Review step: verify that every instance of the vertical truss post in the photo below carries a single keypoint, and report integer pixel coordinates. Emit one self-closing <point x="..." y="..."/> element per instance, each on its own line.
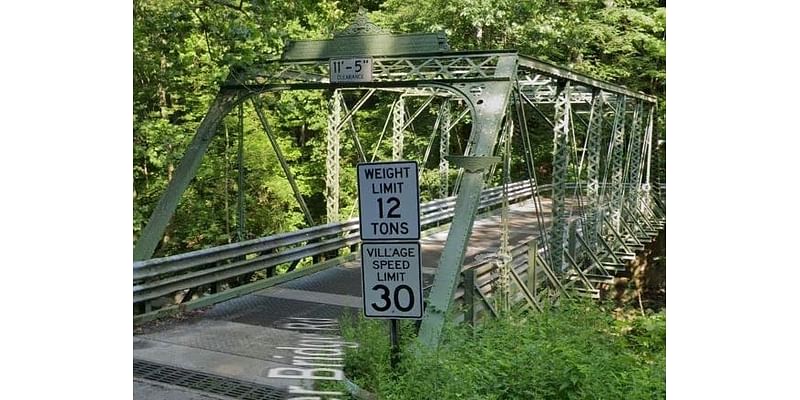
<point x="561" y="151"/>
<point x="154" y="230"/>
<point x="635" y="156"/>
<point x="444" y="149"/>
<point x="240" y="216"/>
<point x="398" y="123"/>
<point x="617" y="157"/>
<point x="504" y="256"/>
<point x="488" y="101"/>
<point x="595" y="133"/>
<point x="649" y="141"/>
<point x="332" y="157"/>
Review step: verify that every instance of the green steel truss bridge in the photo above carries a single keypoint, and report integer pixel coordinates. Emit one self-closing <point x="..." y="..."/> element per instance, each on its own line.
<point x="577" y="232"/>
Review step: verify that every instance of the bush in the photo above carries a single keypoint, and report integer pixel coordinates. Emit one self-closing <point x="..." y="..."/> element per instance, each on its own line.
<point x="576" y="351"/>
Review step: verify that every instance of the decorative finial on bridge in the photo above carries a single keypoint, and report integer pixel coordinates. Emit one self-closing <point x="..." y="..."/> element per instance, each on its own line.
<point x="361" y="26"/>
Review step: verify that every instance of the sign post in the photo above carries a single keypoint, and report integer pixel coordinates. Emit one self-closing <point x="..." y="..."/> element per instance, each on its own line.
<point x="391" y="256"/>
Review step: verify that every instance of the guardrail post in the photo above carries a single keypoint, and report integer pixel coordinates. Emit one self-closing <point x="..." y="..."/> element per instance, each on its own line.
<point x="533" y="252"/>
<point x="468" y="281"/>
<point x="571" y="239"/>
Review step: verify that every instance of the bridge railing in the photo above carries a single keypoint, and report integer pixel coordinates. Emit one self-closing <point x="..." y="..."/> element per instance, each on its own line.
<point x="540" y="281"/>
<point x="212" y="272"/>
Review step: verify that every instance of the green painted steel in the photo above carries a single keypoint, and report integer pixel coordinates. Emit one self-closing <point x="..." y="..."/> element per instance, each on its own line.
<point x="594" y="131"/>
<point x="488" y="101"/>
<point x="444" y="148"/>
<point x="332" y="157"/>
<point x="561" y="152"/>
<point x="241" y="219"/>
<point x="649" y="141"/>
<point x="635" y="156"/>
<point x="504" y="254"/>
<point x="398" y="127"/>
<point x="153" y="232"/>
<point x="617" y="158"/>
<point x="364" y="37"/>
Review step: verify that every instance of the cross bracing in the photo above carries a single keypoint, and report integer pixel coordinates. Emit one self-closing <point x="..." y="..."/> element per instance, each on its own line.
<point x="601" y="137"/>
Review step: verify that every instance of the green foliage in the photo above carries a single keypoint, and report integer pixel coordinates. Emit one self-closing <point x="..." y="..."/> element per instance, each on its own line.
<point x="575" y="351"/>
<point x="183" y="50"/>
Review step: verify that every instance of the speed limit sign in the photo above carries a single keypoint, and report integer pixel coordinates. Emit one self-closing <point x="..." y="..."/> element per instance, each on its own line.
<point x="391" y="275"/>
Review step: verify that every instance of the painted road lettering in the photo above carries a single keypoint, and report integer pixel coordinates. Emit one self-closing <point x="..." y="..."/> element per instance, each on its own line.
<point x="316" y="356"/>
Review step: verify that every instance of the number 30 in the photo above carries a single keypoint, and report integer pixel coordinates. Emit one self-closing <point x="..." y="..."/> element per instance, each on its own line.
<point x="388" y="303"/>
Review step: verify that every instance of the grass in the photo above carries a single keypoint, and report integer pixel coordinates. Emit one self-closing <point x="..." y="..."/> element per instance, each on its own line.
<point x="575" y="351"/>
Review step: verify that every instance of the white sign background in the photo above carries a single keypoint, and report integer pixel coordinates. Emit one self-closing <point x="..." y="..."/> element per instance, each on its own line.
<point x="350" y="70"/>
<point x="388" y="201"/>
<point x="391" y="278"/>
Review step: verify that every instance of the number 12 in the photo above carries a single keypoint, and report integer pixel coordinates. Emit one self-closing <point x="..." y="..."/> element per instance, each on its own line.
<point x="390" y="201"/>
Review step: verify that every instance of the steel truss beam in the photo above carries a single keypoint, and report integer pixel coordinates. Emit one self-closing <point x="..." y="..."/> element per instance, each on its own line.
<point x="444" y="149"/>
<point x="561" y="152"/>
<point x="398" y="127"/>
<point x="617" y="159"/>
<point x="332" y="157"/>
<point x="649" y="140"/>
<point x="153" y="232"/>
<point x="488" y="102"/>
<point x="595" y="141"/>
<point x="635" y="156"/>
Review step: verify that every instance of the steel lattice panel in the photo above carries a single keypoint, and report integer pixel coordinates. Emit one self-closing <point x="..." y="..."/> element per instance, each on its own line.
<point x="216" y="384"/>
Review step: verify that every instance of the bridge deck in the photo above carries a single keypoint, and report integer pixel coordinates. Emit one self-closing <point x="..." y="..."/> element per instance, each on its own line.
<point x="231" y="348"/>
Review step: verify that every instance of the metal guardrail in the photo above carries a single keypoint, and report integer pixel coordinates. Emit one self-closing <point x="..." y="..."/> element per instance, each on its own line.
<point x="160" y="277"/>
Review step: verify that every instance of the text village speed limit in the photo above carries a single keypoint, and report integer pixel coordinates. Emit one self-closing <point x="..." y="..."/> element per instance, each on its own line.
<point x="388" y="201"/>
<point x="392" y="277"/>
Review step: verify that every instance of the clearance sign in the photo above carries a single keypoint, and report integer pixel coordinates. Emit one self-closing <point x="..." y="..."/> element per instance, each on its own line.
<point x="391" y="261"/>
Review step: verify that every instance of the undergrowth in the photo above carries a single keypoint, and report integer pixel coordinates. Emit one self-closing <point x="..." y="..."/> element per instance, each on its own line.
<point x="575" y="351"/>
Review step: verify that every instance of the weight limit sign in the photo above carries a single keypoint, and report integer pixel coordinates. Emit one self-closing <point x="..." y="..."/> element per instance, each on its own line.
<point x="388" y="201"/>
<point x="391" y="274"/>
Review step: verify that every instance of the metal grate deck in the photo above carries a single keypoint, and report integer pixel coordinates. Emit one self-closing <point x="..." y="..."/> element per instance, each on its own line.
<point x="205" y="382"/>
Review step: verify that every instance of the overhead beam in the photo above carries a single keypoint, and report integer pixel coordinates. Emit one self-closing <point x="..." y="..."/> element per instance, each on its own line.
<point x="563" y="73"/>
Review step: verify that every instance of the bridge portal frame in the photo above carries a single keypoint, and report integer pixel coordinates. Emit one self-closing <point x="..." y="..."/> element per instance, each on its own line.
<point x="485" y="80"/>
